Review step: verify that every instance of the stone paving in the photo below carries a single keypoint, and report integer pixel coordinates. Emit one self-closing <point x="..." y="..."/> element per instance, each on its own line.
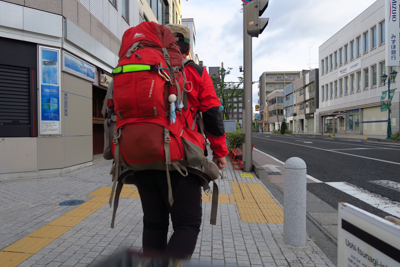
<point x="31" y="204"/>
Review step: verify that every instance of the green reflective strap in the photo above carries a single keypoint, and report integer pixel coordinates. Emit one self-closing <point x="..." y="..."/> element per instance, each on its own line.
<point x="131" y="68"/>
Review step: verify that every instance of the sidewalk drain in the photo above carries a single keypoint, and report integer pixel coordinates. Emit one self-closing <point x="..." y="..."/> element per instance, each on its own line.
<point x="274" y="173"/>
<point x="71" y="202"/>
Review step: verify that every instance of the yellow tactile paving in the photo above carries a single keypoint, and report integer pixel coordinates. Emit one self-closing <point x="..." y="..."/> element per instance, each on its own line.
<point x="67" y="221"/>
<point x="91" y="205"/>
<point x="101" y="192"/>
<point x="49" y="231"/>
<point x="11" y="259"/>
<point x="28" y="245"/>
<point x="80" y="212"/>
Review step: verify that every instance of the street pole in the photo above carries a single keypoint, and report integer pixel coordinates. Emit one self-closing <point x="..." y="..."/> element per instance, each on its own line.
<point x="248" y="72"/>
<point x="389" y="126"/>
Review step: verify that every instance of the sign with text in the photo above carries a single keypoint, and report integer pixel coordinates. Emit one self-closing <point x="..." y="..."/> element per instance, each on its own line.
<point x="350" y="67"/>
<point x="365" y="239"/>
<point x="78" y="67"/>
<point x="392" y="30"/>
<point x="50" y="91"/>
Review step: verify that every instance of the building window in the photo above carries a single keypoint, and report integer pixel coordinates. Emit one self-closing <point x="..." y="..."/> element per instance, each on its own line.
<point x="341" y="56"/>
<point x="366" y="47"/>
<point x="346" y="85"/>
<point x="353" y="83"/>
<point x="331" y="89"/>
<point x="366" y="79"/>
<point x="382" y="34"/>
<point x="331" y="61"/>
<point x="302" y="91"/>
<point x="326" y="65"/>
<point x="373" y="36"/>
<point x="113" y="2"/>
<point x="336" y="59"/>
<point x="322" y="67"/>
<point x="336" y="91"/>
<point x="382" y="70"/>
<point x="359" y="46"/>
<point x="322" y="93"/>
<point x="352" y="50"/>
<point x="326" y="92"/>
<point x="125" y="10"/>
<point x="302" y="106"/>
<point x="346" y="52"/>
<point x="341" y="87"/>
<point x="374" y="75"/>
<point x="359" y="81"/>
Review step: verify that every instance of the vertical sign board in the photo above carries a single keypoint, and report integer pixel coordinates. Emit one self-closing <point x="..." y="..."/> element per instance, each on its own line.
<point x="392" y="32"/>
<point x="366" y="240"/>
<point x="49" y="91"/>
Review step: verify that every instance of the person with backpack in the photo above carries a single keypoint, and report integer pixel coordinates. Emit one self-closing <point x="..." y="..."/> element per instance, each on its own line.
<point x="186" y="211"/>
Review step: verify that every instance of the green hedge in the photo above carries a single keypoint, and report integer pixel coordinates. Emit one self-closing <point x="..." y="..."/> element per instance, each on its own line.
<point x="234" y="140"/>
<point x="396" y="136"/>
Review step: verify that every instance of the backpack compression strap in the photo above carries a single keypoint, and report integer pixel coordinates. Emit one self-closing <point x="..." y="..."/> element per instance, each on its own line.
<point x="134" y="68"/>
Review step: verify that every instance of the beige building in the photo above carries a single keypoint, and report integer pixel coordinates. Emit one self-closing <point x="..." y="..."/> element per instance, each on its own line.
<point x="270" y="81"/>
<point x="275" y="110"/>
<point x="56" y="60"/>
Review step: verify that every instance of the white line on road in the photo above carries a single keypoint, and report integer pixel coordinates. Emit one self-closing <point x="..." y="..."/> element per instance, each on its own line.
<point x="338" y="152"/>
<point x="377" y="201"/>
<point x="388" y="184"/>
<point x="281" y="162"/>
<point x="360" y="148"/>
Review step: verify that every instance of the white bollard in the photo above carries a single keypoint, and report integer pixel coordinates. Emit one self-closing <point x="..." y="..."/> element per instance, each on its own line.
<point x="294" y="207"/>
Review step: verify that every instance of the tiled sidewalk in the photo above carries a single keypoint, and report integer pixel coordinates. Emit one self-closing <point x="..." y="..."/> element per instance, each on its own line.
<point x="248" y="231"/>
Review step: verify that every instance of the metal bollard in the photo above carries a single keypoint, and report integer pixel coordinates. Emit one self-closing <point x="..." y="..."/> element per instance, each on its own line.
<point x="294" y="220"/>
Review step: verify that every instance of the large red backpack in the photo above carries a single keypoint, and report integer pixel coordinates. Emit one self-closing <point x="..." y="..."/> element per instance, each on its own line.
<point x="145" y="115"/>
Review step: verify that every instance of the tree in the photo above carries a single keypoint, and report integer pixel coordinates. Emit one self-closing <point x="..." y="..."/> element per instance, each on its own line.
<point x="227" y="91"/>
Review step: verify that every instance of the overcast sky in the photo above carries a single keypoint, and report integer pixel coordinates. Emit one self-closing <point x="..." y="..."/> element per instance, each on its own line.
<point x="290" y="42"/>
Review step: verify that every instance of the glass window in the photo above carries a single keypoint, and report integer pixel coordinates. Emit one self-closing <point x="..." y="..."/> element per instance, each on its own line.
<point x="358" y="45"/>
<point x="346" y="85"/>
<point x="382" y="28"/>
<point x="336" y="91"/>
<point x="340" y="87"/>
<point x="366" y="47"/>
<point x="353" y="123"/>
<point x="322" y="67"/>
<point x="322" y="91"/>
<point x="326" y="65"/>
<point x="373" y="33"/>
<point x="366" y="78"/>
<point x="341" y="56"/>
<point x="113" y="2"/>
<point x="336" y="59"/>
<point x="382" y="70"/>
<point x="331" y="61"/>
<point x="359" y="81"/>
<point x="125" y="10"/>
<point x="353" y="83"/>
<point x="154" y="7"/>
<point x="352" y="50"/>
<point x="331" y="89"/>
<point x="346" y="51"/>
<point x="374" y="75"/>
<point x="326" y="92"/>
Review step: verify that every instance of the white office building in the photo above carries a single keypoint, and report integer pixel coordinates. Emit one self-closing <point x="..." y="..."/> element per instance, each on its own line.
<point x="351" y="65"/>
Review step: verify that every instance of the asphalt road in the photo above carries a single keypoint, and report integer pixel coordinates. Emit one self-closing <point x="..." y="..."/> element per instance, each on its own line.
<point x="342" y="161"/>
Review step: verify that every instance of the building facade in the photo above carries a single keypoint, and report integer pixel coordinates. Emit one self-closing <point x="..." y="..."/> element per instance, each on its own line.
<point x="270" y="81"/>
<point x="56" y="60"/>
<point x="351" y="65"/>
<point x="275" y="110"/>
<point x="189" y="22"/>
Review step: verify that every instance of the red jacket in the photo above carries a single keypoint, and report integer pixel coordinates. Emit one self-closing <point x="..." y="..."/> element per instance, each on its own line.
<point x="202" y="96"/>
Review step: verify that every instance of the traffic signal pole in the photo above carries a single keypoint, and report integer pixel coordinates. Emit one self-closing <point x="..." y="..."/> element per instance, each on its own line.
<point x="248" y="97"/>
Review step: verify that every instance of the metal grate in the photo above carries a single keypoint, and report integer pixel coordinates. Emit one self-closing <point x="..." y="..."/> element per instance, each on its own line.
<point x="71" y="202"/>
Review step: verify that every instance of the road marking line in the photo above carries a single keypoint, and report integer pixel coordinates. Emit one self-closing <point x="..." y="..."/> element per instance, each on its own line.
<point x="359" y="148"/>
<point x="375" y="200"/>
<point x="338" y="152"/>
<point x="277" y="160"/>
<point x="388" y="184"/>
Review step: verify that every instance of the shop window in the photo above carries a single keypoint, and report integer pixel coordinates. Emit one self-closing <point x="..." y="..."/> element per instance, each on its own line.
<point x="353" y="121"/>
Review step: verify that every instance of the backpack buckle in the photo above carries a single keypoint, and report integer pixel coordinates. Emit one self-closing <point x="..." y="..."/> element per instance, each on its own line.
<point x="164" y="75"/>
<point x="117" y="135"/>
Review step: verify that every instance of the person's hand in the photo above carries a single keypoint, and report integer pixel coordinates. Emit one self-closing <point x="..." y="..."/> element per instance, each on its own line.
<point x="221" y="162"/>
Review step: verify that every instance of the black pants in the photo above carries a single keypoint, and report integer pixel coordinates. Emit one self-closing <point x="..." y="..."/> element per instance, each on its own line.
<point x="185" y="213"/>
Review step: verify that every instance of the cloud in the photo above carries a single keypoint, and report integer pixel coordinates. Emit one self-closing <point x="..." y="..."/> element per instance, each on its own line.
<point x="290" y="42"/>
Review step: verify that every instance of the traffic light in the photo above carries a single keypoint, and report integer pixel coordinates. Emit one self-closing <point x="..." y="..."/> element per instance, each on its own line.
<point x="254" y="9"/>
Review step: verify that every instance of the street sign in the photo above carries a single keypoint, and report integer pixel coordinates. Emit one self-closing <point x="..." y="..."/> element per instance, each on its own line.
<point x="365" y="239"/>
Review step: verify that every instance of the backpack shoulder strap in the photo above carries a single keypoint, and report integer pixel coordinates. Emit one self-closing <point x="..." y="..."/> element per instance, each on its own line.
<point x="198" y="68"/>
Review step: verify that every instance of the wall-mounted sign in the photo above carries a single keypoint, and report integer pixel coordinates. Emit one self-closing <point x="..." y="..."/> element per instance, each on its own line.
<point x="78" y="67"/>
<point x="365" y="239"/>
<point x="257" y="108"/>
<point x="50" y="91"/>
<point x="392" y="30"/>
<point x="309" y="115"/>
<point x="350" y="67"/>
<point x="104" y="79"/>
